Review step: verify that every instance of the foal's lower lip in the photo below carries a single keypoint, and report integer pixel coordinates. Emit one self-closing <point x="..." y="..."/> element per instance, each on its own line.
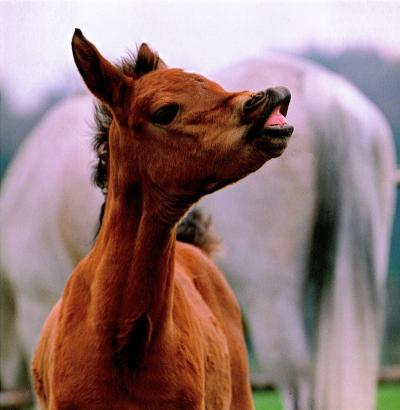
<point x="285" y="130"/>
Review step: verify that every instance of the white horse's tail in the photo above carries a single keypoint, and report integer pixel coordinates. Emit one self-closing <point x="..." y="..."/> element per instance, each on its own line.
<point x="349" y="254"/>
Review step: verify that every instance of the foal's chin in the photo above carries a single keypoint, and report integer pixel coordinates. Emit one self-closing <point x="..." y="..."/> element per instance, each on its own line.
<point x="273" y="141"/>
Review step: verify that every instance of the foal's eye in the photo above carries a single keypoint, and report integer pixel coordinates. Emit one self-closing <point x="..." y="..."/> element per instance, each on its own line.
<point x="165" y="115"/>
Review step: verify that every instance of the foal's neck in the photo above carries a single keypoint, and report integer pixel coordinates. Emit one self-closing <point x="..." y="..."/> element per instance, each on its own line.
<point x="135" y="251"/>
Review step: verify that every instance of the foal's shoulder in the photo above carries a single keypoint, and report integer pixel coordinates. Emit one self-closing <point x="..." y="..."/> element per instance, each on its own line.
<point x="43" y="357"/>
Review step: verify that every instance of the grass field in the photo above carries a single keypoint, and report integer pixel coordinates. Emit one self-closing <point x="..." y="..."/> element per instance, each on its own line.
<point x="388" y="398"/>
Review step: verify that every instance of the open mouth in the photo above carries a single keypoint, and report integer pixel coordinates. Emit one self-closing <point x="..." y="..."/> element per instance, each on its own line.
<point x="270" y="130"/>
<point x="276" y="124"/>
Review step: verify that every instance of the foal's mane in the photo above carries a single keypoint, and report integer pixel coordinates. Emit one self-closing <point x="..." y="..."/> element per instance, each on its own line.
<point x="195" y="228"/>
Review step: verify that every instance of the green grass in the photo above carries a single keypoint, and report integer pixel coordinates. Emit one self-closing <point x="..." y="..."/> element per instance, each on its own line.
<point x="388" y="398"/>
<point x="267" y="400"/>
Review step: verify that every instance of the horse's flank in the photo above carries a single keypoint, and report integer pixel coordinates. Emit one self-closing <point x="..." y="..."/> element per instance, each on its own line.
<point x="326" y="233"/>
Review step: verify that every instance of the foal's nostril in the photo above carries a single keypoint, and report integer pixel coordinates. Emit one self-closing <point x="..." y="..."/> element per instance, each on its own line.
<point x="255" y="100"/>
<point x="281" y="94"/>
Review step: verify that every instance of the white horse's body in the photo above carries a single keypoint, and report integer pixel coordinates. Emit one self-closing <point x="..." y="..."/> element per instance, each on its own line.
<point x="48" y="213"/>
<point x="316" y="221"/>
<point x="319" y="216"/>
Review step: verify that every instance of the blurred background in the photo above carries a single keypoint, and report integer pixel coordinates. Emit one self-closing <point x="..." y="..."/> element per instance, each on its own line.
<point x="358" y="39"/>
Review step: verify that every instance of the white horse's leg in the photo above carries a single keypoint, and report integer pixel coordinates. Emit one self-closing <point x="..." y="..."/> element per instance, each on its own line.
<point x="281" y="349"/>
<point x="10" y="347"/>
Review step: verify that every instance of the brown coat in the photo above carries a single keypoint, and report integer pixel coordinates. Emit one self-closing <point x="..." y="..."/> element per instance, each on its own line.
<point x="145" y="322"/>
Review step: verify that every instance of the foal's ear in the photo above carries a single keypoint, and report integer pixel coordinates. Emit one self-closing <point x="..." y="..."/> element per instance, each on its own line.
<point x="102" y="78"/>
<point x="147" y="60"/>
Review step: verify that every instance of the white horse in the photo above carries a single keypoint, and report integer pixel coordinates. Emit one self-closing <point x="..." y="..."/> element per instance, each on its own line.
<point x="315" y="222"/>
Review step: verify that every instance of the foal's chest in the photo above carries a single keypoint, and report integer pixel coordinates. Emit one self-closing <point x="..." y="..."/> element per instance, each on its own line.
<point x="189" y="367"/>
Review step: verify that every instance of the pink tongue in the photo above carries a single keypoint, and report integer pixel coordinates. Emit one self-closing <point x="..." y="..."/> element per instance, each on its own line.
<point x="276" y="118"/>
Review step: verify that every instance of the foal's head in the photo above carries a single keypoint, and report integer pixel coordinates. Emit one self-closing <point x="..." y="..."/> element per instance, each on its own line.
<point x="178" y="132"/>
